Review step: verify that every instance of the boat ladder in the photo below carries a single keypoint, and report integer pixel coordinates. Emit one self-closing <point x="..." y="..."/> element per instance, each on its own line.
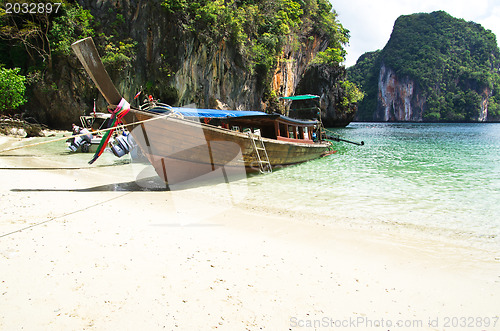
<point x="260" y="153"/>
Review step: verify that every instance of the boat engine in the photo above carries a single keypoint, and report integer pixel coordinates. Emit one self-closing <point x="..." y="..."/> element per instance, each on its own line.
<point x="121" y="146"/>
<point x="82" y="142"/>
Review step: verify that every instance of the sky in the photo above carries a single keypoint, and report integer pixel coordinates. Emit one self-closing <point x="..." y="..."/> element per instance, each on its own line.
<point x="370" y="22"/>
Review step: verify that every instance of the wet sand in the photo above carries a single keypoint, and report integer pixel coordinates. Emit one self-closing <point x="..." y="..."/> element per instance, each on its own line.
<point x="90" y="249"/>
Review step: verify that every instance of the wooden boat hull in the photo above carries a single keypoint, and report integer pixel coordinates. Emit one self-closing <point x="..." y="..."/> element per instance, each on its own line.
<point x="181" y="149"/>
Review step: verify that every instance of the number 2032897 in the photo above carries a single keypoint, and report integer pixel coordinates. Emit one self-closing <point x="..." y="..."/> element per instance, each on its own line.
<point x="32" y="8"/>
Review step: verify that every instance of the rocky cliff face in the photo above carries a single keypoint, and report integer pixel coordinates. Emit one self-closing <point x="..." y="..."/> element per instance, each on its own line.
<point x="170" y="62"/>
<point x="485" y="96"/>
<point x="181" y="69"/>
<point x="293" y="64"/>
<point x="209" y="77"/>
<point x="62" y="95"/>
<point x="398" y="98"/>
<point x="326" y="82"/>
<point x="434" y="68"/>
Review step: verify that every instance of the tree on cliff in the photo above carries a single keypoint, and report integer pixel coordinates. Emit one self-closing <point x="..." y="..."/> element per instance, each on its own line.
<point x="12" y="89"/>
<point x="39" y="44"/>
<point x="259" y="29"/>
<point x="454" y="64"/>
<point x="262" y="33"/>
<point x="257" y="34"/>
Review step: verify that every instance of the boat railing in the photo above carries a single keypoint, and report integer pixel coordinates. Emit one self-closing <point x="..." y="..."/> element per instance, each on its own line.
<point x="149" y="105"/>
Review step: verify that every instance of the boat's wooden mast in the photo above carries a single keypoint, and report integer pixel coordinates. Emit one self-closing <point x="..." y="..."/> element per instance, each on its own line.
<point x="87" y="54"/>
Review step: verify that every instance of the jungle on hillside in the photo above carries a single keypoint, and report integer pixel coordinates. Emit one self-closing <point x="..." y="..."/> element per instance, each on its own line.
<point x="453" y="64"/>
<point x="145" y="47"/>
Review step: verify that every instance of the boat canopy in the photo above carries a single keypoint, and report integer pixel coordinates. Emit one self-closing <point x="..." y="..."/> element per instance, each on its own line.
<point x="301" y="97"/>
<point x="206" y="113"/>
<point x="270" y="118"/>
<point x="231" y="116"/>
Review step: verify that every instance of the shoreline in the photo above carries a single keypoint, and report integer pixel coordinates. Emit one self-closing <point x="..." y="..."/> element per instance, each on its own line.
<point x="95" y="253"/>
<point x="485" y="249"/>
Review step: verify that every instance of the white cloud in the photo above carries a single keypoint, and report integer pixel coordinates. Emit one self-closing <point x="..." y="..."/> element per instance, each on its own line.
<point x="492" y="22"/>
<point x="370" y="21"/>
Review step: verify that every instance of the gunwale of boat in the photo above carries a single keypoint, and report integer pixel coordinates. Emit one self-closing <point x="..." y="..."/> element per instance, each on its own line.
<point x="194" y="123"/>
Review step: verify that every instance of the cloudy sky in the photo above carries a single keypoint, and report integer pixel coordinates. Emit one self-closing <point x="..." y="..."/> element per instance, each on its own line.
<point x="370" y="22"/>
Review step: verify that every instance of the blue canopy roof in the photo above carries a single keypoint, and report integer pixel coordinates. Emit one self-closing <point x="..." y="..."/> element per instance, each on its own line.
<point x="207" y="113"/>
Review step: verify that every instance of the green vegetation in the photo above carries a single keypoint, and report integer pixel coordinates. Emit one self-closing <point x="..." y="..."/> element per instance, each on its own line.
<point x="454" y="63"/>
<point x="12" y="89"/>
<point x="74" y="24"/>
<point x="259" y="29"/>
<point x="119" y="56"/>
<point x="39" y="45"/>
<point x="36" y="38"/>
<point x="331" y="56"/>
<point x="365" y="75"/>
<point x="353" y="94"/>
<point x="259" y="32"/>
<point x="31" y="41"/>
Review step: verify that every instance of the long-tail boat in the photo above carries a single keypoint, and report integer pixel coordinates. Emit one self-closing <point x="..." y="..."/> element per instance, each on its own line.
<point x="183" y="143"/>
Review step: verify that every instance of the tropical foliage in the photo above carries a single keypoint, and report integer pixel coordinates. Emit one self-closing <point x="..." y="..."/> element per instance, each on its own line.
<point x="260" y="28"/>
<point x="332" y="56"/>
<point x="258" y="31"/>
<point x="74" y="24"/>
<point x="353" y="94"/>
<point x="119" y="55"/>
<point x="31" y="41"/>
<point x="12" y="89"/>
<point x="365" y="75"/>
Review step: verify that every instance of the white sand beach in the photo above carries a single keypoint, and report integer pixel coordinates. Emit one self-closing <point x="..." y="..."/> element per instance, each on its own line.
<point x="86" y="249"/>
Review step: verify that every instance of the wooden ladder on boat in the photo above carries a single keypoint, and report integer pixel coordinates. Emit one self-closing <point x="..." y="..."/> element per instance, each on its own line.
<point x="260" y="153"/>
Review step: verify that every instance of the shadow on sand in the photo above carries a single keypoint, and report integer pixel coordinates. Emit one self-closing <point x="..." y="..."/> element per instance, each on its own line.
<point x="152" y="184"/>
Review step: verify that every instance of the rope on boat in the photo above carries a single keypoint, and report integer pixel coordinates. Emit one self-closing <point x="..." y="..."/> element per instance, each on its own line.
<point x="80" y="135"/>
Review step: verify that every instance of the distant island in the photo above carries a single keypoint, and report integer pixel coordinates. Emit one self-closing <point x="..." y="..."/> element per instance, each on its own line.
<point x="434" y="68"/>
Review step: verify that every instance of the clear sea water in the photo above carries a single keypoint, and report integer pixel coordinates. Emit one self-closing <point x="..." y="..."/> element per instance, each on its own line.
<point x="439" y="179"/>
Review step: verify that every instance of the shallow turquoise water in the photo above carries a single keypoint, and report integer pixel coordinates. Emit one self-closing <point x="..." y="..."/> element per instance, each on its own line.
<point x="439" y="178"/>
<point x="434" y="179"/>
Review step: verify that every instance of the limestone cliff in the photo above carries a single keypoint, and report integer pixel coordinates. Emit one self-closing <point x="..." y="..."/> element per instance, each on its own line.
<point x="147" y="47"/>
<point x="61" y="95"/>
<point x="293" y="64"/>
<point x="398" y="98"/>
<point x="179" y="68"/>
<point x="435" y="68"/>
<point x="326" y="82"/>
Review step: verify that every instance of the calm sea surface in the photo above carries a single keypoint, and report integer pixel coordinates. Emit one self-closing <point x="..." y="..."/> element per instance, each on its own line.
<point x="434" y="179"/>
<point x="442" y="179"/>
